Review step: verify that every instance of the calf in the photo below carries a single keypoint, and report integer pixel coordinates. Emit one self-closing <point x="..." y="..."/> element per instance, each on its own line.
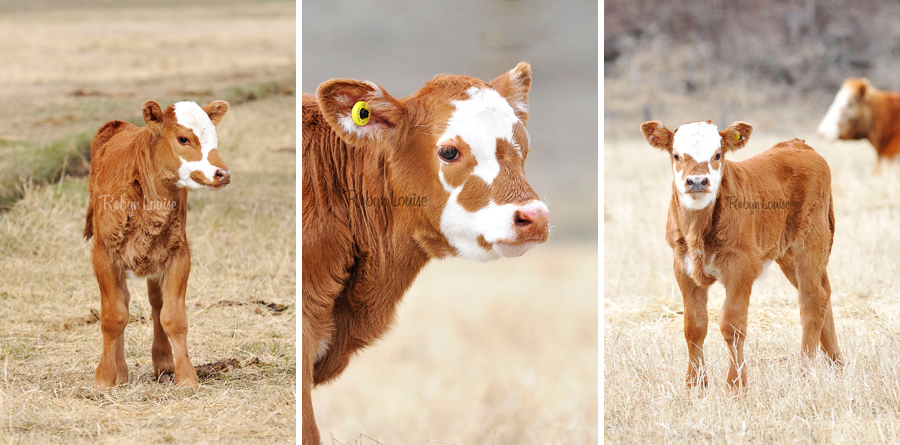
<point x="860" y="111"/>
<point x="389" y="184"/>
<point x="136" y="215"/>
<point x="729" y="220"/>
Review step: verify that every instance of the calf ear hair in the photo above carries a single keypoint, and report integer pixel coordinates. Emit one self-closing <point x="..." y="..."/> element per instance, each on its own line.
<point x="736" y="135"/>
<point x="657" y="135"/>
<point x="514" y="86"/>
<point x="386" y="115"/>
<point x="216" y="111"/>
<point x="153" y="115"/>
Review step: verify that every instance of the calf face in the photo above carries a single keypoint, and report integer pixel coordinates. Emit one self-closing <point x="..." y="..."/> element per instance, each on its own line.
<point x="186" y="142"/>
<point x="849" y="116"/>
<point x="698" y="152"/>
<point x="456" y="151"/>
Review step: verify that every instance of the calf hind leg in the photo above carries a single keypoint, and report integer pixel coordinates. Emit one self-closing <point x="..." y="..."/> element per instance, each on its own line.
<point x="816" y="315"/>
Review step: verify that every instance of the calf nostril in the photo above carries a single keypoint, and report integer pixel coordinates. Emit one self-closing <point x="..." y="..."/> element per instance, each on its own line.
<point x="689" y="182"/>
<point x="220" y="174"/>
<point x="522" y="218"/>
<point x="704" y="181"/>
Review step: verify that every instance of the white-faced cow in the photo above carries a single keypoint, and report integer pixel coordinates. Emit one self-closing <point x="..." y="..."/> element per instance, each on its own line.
<point x="389" y="184"/>
<point x="136" y="215"/>
<point x="860" y="111"/>
<point x="729" y="221"/>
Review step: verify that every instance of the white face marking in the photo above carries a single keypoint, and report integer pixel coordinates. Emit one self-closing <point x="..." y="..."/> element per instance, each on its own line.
<point x="191" y="116"/>
<point x="699" y="140"/>
<point x="480" y="120"/>
<point x="829" y="127"/>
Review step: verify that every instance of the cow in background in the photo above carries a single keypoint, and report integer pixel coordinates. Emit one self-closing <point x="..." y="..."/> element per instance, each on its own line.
<point x="860" y="111"/>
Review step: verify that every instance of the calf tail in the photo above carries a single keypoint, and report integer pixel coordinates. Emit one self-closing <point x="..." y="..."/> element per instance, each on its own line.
<point x="89" y="223"/>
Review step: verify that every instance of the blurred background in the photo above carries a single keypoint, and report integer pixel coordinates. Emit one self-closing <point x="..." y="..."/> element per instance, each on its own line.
<point x="775" y="64"/>
<point x="506" y="352"/>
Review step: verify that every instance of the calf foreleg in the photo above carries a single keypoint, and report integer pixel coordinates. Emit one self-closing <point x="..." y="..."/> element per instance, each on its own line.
<point x="114" y="298"/>
<point x="173" y="318"/>
<point x="696" y="323"/>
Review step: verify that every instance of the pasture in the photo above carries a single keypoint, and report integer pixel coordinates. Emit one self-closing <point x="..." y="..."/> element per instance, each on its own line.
<point x="645" y="396"/>
<point x="89" y="64"/>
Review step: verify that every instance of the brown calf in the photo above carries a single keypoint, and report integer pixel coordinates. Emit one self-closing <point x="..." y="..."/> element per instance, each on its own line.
<point x="729" y="220"/>
<point x="860" y="111"/>
<point x="136" y="216"/>
<point x="389" y="184"/>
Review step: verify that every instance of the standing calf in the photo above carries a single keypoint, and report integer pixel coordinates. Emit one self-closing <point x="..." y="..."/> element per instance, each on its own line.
<point x="729" y="220"/>
<point x="136" y="215"/>
<point x="389" y="184"/>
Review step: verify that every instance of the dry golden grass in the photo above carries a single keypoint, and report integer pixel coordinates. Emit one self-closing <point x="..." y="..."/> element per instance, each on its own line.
<point x="645" y="355"/>
<point x="66" y="72"/>
<point x="502" y="352"/>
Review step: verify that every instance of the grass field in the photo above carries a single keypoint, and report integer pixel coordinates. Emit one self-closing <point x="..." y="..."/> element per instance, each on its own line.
<point x="502" y="352"/>
<point x="645" y="355"/>
<point x="90" y="64"/>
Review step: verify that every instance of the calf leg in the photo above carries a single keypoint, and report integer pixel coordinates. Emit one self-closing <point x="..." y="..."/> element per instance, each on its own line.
<point x="173" y="318"/>
<point x="696" y="323"/>
<point x="163" y="362"/>
<point x="733" y="324"/>
<point x="816" y="316"/>
<point x="310" y="430"/>
<point x="114" y="298"/>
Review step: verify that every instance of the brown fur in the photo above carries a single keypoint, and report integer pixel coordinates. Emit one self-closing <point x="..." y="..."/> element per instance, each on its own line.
<point x="726" y="236"/>
<point x="137" y="218"/>
<point x="358" y="260"/>
<point x="872" y="114"/>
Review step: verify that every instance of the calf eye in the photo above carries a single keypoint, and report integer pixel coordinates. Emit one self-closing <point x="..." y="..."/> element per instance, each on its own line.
<point x="676" y="158"/>
<point x="448" y="153"/>
<point x="183" y="140"/>
<point x="718" y="156"/>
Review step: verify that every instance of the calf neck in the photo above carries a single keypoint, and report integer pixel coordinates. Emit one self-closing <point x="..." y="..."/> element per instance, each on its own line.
<point x="389" y="184"/>
<point x="728" y="221"/>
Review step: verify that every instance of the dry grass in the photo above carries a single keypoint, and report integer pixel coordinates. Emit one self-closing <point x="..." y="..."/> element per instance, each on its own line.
<point x="71" y="70"/>
<point x="502" y="352"/>
<point x="645" y="356"/>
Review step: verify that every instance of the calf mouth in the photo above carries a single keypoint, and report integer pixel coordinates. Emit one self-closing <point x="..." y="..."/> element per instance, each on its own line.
<point x="514" y="249"/>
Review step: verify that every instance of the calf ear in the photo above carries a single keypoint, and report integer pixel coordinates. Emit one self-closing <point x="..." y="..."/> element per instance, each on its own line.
<point x="514" y="85"/>
<point x="216" y="111"/>
<point x="378" y="121"/>
<point x="657" y="135"/>
<point x="153" y="115"/>
<point x="736" y="135"/>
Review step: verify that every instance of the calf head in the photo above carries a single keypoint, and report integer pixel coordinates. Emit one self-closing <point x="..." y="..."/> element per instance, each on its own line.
<point x="455" y="153"/>
<point x="698" y="153"/>
<point x="185" y="143"/>
<point x="849" y="116"/>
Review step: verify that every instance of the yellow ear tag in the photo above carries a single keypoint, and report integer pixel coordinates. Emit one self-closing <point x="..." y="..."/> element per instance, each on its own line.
<point x="737" y="137"/>
<point x="361" y="113"/>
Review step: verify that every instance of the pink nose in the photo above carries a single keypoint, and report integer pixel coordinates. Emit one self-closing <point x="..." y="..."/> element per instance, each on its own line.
<point x="531" y="223"/>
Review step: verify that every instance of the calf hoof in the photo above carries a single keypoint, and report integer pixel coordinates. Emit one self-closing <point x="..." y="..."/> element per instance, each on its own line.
<point x="165" y="377"/>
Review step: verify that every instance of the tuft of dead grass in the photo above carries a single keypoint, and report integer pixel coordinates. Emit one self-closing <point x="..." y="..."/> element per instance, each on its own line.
<point x="645" y="356"/>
